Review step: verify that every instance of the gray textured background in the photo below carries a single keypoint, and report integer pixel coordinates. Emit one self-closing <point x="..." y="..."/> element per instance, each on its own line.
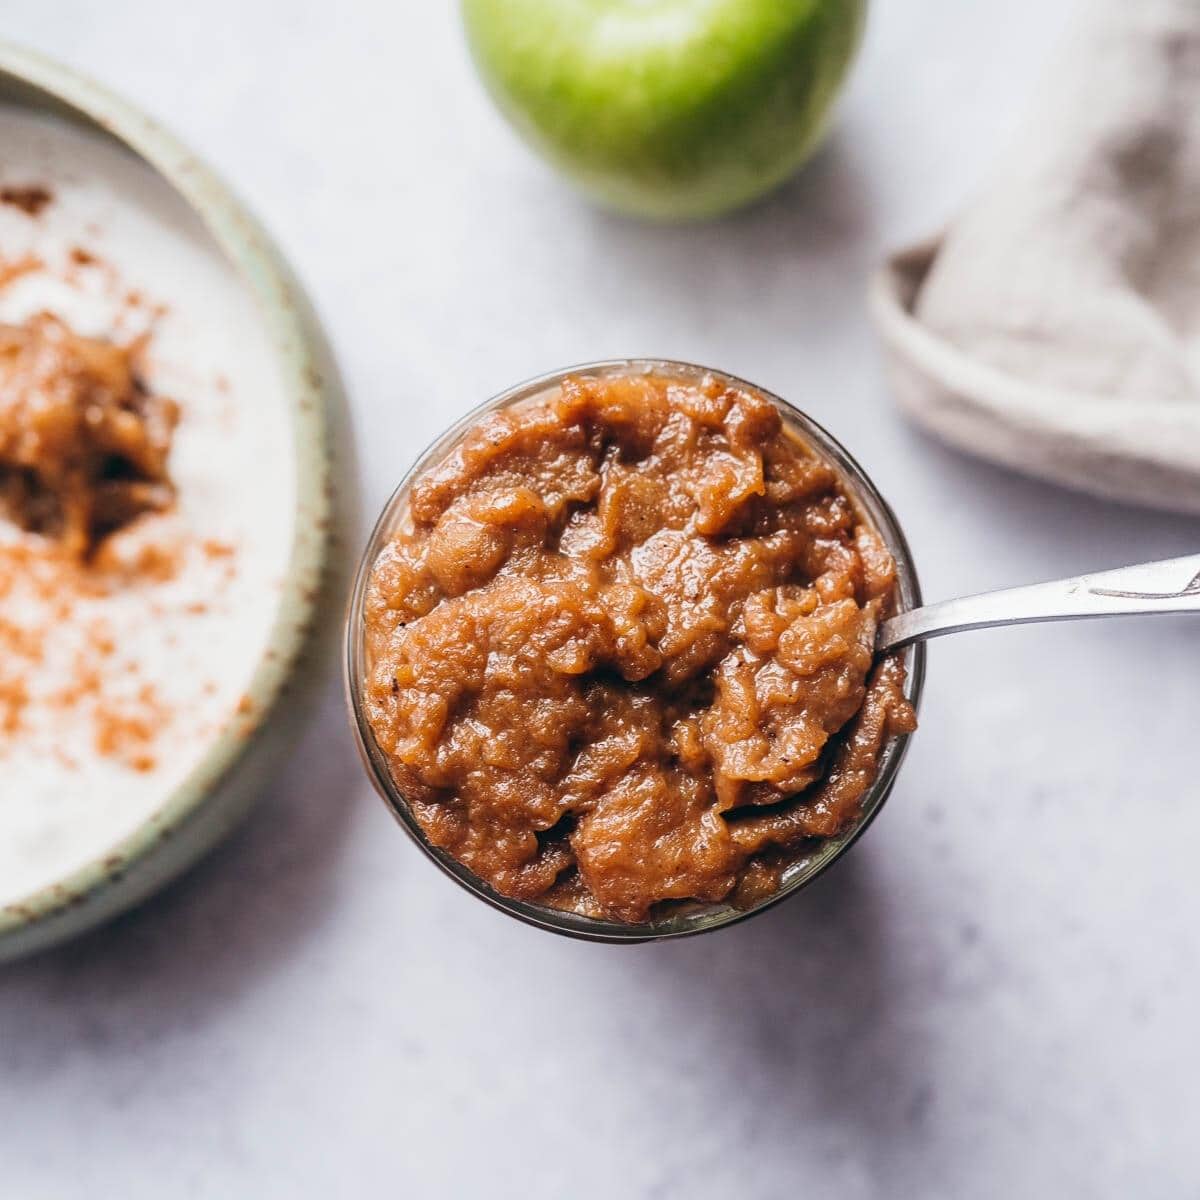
<point x="994" y="996"/>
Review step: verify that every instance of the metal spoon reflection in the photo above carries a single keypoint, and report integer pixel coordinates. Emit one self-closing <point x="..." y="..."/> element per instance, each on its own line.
<point x="1170" y="586"/>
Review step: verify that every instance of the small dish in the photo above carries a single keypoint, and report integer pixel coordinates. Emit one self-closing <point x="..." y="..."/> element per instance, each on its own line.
<point x="683" y="922"/>
<point x="214" y="786"/>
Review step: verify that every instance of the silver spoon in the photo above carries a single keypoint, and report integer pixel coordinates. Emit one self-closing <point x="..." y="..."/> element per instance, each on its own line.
<point x="1170" y="586"/>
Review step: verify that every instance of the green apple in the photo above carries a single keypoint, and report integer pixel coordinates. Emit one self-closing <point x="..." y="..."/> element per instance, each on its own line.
<point x="669" y="109"/>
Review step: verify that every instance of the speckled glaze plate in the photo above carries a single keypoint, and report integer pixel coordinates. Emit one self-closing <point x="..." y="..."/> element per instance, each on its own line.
<point x="235" y="765"/>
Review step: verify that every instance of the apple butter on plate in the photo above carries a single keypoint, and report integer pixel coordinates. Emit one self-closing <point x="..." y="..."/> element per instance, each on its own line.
<point x="618" y="647"/>
<point x="83" y="442"/>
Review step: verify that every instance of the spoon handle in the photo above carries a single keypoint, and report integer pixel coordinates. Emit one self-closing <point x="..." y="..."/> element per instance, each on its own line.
<point x="1171" y="586"/>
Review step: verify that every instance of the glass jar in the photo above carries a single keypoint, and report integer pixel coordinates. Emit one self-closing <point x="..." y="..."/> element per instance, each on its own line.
<point x="811" y="860"/>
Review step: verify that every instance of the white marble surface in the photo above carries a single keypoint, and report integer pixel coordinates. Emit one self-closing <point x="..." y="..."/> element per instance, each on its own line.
<point x="993" y="996"/>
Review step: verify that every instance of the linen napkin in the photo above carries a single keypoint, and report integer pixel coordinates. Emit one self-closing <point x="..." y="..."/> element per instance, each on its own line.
<point x="1055" y="327"/>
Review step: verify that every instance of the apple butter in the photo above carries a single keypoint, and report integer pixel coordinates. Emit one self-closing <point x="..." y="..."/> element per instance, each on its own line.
<point x="621" y="649"/>
<point x="83" y="444"/>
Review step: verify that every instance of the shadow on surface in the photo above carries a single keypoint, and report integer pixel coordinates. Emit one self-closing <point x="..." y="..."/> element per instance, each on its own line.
<point x="824" y="211"/>
<point x="191" y="947"/>
<point x="755" y="280"/>
<point x="1063" y="531"/>
<point x="800" y="1012"/>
